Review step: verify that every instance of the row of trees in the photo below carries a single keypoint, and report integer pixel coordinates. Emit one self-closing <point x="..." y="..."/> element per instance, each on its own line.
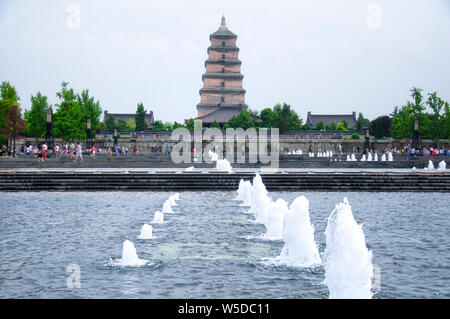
<point x="432" y="125"/>
<point x="74" y="109"/>
<point x="140" y="124"/>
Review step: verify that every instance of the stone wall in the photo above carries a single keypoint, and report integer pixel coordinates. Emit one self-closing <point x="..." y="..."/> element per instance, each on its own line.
<point x="148" y="143"/>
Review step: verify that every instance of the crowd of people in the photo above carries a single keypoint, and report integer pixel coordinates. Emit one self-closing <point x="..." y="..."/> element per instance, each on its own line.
<point x="74" y="150"/>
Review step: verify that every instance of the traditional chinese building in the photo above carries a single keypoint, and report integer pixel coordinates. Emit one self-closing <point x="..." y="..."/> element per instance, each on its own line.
<point x="222" y="95"/>
<point x="327" y="119"/>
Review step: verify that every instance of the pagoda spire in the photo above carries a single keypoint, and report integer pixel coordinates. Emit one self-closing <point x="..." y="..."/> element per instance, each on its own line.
<point x="223" y="23"/>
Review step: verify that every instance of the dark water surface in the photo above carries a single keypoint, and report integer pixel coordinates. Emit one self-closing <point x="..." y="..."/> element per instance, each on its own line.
<point x="207" y="249"/>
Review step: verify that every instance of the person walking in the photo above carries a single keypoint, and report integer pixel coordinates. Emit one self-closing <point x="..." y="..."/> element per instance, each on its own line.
<point x="79" y="152"/>
<point x="44" y="151"/>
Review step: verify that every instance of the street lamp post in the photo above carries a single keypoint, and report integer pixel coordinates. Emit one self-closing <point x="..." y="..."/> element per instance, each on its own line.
<point x="416" y="134"/>
<point x="89" y="134"/>
<point x="115" y="138"/>
<point x="49" y="129"/>
<point x="367" y="140"/>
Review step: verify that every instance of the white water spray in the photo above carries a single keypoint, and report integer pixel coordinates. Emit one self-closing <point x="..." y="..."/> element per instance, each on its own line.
<point x="129" y="256"/>
<point x="430" y="165"/>
<point x="275" y="220"/>
<point x="442" y="165"/>
<point x="221" y="164"/>
<point x="390" y="157"/>
<point x="348" y="262"/>
<point x="146" y="232"/>
<point x="383" y="158"/>
<point x="158" y="218"/>
<point x="167" y="208"/>
<point x="173" y="198"/>
<point x="245" y="192"/>
<point x="260" y="202"/>
<point x="299" y="249"/>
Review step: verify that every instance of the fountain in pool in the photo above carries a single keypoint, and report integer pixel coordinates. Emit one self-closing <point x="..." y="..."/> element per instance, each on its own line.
<point x="167" y="208"/>
<point x="221" y="164"/>
<point x="430" y="165"/>
<point x="383" y="158"/>
<point x="173" y="198"/>
<point x="275" y="219"/>
<point x="442" y="165"/>
<point x="146" y="232"/>
<point x="129" y="256"/>
<point x="158" y="218"/>
<point x="375" y="158"/>
<point x="260" y="202"/>
<point x="299" y="249"/>
<point x="353" y="158"/>
<point x="390" y="157"/>
<point x="348" y="262"/>
<point x="363" y="158"/>
<point x="369" y="157"/>
<point x="348" y="158"/>
<point x="245" y="192"/>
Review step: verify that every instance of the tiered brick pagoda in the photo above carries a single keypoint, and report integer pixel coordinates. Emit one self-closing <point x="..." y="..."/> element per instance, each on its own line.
<point x="222" y="95"/>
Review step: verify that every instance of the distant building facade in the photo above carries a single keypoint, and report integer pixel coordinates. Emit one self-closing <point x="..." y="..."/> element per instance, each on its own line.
<point x="327" y="119"/>
<point x="222" y="95"/>
<point x="130" y="116"/>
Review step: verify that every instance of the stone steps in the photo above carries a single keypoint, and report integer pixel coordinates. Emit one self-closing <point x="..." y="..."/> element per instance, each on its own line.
<point x="353" y="181"/>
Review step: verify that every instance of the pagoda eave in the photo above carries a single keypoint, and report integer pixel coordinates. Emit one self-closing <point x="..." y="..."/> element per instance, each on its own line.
<point x="221" y="90"/>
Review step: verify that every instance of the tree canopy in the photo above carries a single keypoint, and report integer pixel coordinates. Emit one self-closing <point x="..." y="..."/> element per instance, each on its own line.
<point x="141" y="123"/>
<point x="36" y="117"/>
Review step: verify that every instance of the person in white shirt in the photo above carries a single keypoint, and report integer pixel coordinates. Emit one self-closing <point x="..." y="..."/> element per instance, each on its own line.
<point x="79" y="152"/>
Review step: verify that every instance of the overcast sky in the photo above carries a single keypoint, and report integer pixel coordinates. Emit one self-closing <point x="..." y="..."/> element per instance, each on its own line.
<point x="320" y="56"/>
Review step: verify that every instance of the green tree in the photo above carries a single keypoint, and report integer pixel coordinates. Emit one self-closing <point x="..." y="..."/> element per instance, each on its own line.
<point x="446" y="121"/>
<point x="122" y="125"/>
<point x="417" y="106"/>
<point x="320" y="125"/>
<point x="90" y="110"/>
<point x="215" y="124"/>
<point x="241" y="120"/>
<point x="305" y="127"/>
<point x="285" y="118"/>
<point x="331" y="127"/>
<point x="437" y="119"/>
<point x="345" y="124"/>
<point x="141" y="123"/>
<point x="69" y="121"/>
<point x="110" y="123"/>
<point x="266" y="117"/>
<point x="131" y="125"/>
<point x="177" y="125"/>
<point x="158" y="126"/>
<point x="402" y="122"/>
<point x="341" y="126"/>
<point x="8" y="92"/>
<point x="168" y="126"/>
<point x="8" y="100"/>
<point x="190" y="124"/>
<point x="379" y="129"/>
<point x="36" y="117"/>
<point x="361" y="122"/>
<point x="15" y="125"/>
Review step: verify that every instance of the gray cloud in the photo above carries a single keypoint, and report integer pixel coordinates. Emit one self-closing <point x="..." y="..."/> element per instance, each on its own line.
<point x="318" y="56"/>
